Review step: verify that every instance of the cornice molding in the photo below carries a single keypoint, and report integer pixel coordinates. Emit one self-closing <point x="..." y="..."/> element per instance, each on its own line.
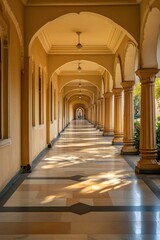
<point x="85" y="50"/>
<point x="79" y="3"/>
<point x="83" y="73"/>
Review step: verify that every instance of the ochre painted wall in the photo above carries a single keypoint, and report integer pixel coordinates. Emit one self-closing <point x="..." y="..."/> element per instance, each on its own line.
<point x="10" y="155"/>
<point x="39" y="58"/>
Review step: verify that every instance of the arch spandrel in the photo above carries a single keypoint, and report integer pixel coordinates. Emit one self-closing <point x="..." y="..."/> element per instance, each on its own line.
<point x="130" y="62"/>
<point x="150" y="38"/>
<point x="118" y="75"/>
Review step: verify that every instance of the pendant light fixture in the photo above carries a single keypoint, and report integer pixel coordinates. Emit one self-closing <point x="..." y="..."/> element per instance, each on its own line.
<point x="79" y="68"/>
<point x="79" y="45"/>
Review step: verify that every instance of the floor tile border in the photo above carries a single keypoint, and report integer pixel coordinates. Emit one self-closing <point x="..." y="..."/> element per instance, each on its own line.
<point x="81" y="211"/>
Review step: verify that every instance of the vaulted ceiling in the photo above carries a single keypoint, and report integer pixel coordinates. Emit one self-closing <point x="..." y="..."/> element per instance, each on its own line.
<point x="99" y="35"/>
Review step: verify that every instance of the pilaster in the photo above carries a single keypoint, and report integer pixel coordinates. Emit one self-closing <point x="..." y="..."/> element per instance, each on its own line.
<point x="26" y="116"/>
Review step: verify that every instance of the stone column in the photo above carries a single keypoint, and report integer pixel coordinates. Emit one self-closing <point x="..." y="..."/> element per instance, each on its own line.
<point x="108" y="121"/>
<point x="102" y="114"/>
<point x="89" y="114"/>
<point x="98" y="113"/>
<point x="49" y="118"/>
<point x="128" y="140"/>
<point x="95" y="115"/>
<point x="26" y="116"/>
<point x="148" y="151"/>
<point x="118" y="116"/>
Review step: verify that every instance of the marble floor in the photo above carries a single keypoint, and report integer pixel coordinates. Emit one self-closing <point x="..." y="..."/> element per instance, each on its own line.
<point x="82" y="189"/>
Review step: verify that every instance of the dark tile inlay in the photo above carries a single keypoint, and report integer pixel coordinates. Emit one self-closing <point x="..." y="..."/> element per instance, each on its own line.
<point x="77" y="178"/>
<point x="80" y="208"/>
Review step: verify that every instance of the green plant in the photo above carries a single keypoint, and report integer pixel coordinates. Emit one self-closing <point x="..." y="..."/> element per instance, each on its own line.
<point x="158" y="139"/>
<point x="137" y="134"/>
<point x="158" y="118"/>
<point x="137" y="137"/>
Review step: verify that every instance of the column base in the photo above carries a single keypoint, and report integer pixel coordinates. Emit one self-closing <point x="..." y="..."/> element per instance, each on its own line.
<point x="117" y="141"/>
<point x="108" y="133"/>
<point x="129" y="150"/>
<point x="151" y="167"/>
<point x="98" y="126"/>
<point x="50" y="145"/>
<point x="26" y="169"/>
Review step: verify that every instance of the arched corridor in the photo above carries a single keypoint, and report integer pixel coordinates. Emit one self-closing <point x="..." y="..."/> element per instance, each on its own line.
<point x="75" y="193"/>
<point x="80" y="118"/>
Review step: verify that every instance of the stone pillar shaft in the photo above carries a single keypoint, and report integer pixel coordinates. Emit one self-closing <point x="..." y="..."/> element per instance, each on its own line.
<point x="148" y="152"/>
<point x="94" y="113"/>
<point x="128" y="139"/>
<point x="102" y="112"/>
<point x="98" y="113"/>
<point x="26" y="115"/>
<point x="108" y="121"/>
<point x="118" y="116"/>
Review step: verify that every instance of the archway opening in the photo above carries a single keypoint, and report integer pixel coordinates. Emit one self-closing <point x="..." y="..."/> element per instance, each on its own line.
<point x="79" y="113"/>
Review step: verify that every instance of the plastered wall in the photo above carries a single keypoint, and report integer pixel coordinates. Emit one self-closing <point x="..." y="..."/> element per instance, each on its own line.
<point x="10" y="155"/>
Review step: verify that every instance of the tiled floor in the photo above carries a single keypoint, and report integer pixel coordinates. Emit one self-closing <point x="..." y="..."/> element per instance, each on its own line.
<point x="83" y="189"/>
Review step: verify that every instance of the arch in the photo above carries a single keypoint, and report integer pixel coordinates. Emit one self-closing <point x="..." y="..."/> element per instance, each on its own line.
<point x="104" y="62"/>
<point x="83" y="97"/>
<point x="70" y="79"/>
<point x="116" y="19"/>
<point x="16" y="24"/>
<point x="117" y="73"/>
<point x="79" y="106"/>
<point x="3" y="26"/>
<point x="77" y="91"/>
<point x="80" y="113"/>
<point x="130" y="62"/>
<point x="150" y="33"/>
<point x="93" y="78"/>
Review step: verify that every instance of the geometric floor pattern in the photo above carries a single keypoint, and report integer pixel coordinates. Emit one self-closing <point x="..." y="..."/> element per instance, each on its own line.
<point x="82" y="189"/>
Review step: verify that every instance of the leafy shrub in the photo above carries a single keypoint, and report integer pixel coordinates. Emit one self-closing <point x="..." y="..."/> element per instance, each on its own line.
<point x="137" y="137"/>
<point x="158" y="139"/>
<point x="158" y="118"/>
<point x="137" y="134"/>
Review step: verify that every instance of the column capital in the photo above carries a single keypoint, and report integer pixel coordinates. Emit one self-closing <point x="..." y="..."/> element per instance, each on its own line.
<point x="108" y="94"/>
<point x="147" y="75"/>
<point x="117" y="91"/>
<point x="127" y="85"/>
<point x="100" y="99"/>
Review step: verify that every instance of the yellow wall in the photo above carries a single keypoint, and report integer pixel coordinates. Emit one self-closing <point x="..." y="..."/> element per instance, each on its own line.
<point x="10" y="156"/>
<point x="54" y="125"/>
<point x="39" y="57"/>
